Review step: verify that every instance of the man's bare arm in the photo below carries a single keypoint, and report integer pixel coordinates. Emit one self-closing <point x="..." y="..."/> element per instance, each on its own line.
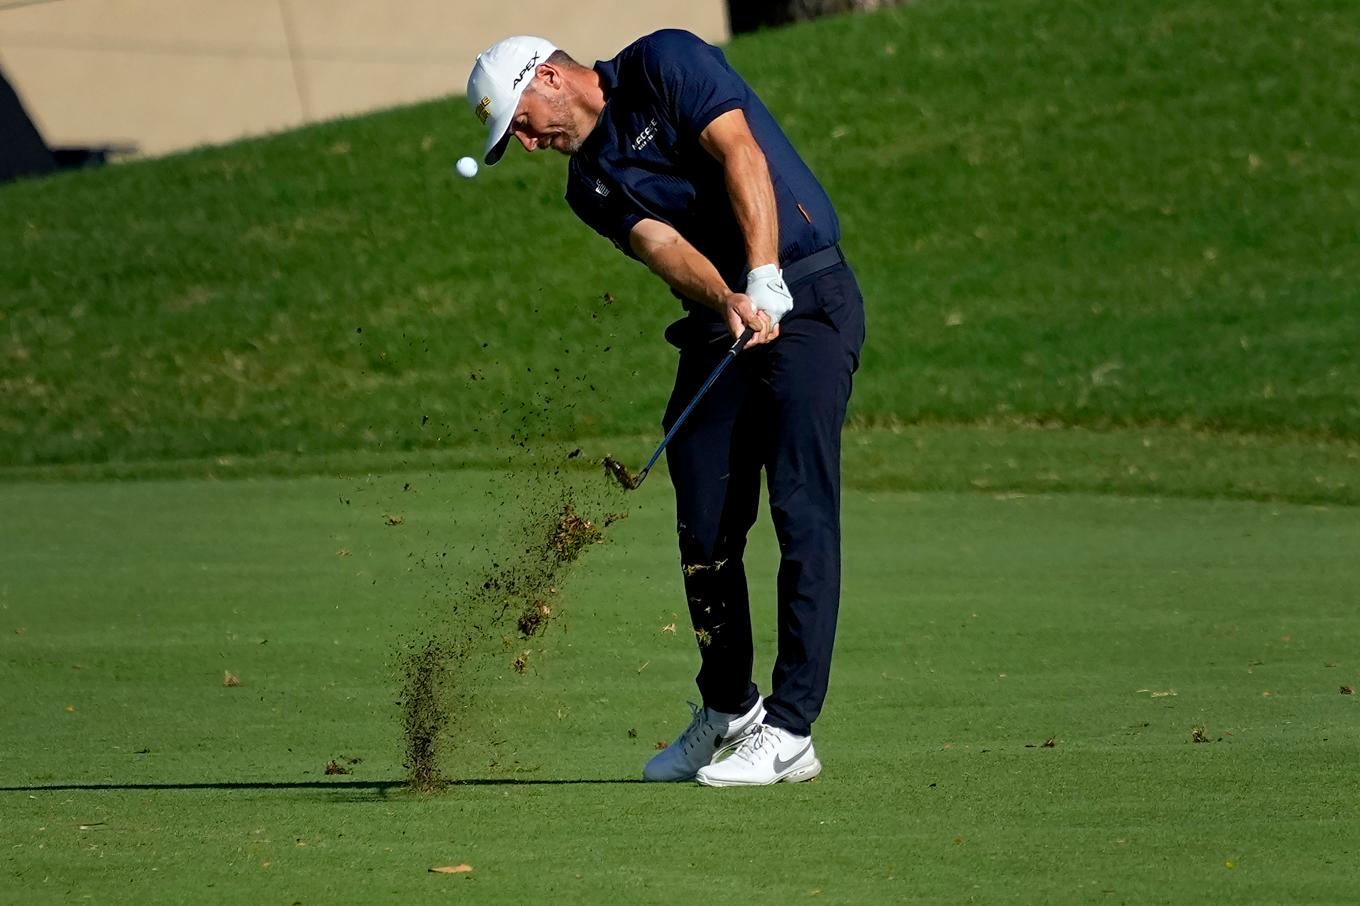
<point x="728" y="138"/>
<point x="672" y="258"/>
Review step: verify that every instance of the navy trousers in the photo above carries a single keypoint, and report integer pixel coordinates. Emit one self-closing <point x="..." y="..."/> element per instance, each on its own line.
<point x="778" y="408"/>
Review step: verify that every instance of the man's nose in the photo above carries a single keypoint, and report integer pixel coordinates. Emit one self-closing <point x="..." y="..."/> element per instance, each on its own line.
<point x="528" y="143"/>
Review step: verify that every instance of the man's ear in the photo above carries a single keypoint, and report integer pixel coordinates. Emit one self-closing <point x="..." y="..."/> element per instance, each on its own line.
<point x="550" y="74"/>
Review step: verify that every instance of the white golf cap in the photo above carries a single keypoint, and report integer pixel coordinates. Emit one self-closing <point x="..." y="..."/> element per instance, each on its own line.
<point x="499" y="77"/>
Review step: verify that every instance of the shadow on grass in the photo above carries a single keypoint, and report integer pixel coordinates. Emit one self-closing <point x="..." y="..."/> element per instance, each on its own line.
<point x="381" y="786"/>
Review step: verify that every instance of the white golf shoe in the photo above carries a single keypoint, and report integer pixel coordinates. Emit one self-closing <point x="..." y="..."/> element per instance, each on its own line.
<point x="707" y="733"/>
<point x="768" y="755"/>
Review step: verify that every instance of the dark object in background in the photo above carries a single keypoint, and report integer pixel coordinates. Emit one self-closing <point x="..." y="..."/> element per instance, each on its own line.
<point x="22" y="150"/>
<point x="749" y="15"/>
<point x="98" y="156"/>
<point x="23" y="153"/>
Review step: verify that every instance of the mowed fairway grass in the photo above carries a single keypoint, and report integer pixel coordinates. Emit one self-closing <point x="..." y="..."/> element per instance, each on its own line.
<point x="1019" y="683"/>
<point x="267" y="409"/>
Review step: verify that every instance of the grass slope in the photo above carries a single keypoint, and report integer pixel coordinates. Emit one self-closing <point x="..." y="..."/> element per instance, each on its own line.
<point x="1086" y="214"/>
<point x="974" y="630"/>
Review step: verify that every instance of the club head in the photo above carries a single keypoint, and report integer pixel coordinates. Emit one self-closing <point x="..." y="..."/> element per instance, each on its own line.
<point x="619" y="472"/>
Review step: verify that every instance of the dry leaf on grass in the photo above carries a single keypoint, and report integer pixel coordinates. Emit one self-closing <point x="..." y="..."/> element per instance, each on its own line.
<point x="230" y="679"/>
<point x="452" y="869"/>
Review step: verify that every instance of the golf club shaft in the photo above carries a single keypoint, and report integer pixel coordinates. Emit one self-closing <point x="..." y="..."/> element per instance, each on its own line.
<point x="727" y="358"/>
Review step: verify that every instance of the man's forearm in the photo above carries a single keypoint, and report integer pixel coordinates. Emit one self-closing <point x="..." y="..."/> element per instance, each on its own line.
<point x="691" y="274"/>
<point x="746" y="175"/>
<point x="687" y="272"/>
<point x="753" y="203"/>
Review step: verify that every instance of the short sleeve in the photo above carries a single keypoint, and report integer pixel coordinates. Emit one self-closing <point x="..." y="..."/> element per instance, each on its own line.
<point x="602" y="213"/>
<point x="692" y="79"/>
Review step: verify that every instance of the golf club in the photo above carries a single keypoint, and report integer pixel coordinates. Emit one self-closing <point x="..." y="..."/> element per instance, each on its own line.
<point x="620" y="471"/>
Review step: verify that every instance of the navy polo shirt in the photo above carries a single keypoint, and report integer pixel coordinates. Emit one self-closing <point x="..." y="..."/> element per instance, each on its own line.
<point x="643" y="159"/>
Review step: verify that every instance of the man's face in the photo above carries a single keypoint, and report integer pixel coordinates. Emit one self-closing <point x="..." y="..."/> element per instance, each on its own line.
<point x="543" y="119"/>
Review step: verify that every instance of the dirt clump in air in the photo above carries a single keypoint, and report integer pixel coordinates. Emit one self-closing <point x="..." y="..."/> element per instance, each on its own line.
<point x="468" y="643"/>
<point x="573" y="534"/>
<point x="424" y="716"/>
<point x="534" y="619"/>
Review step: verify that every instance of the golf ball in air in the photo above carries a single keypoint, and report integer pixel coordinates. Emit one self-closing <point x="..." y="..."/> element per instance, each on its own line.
<point x="467" y="167"/>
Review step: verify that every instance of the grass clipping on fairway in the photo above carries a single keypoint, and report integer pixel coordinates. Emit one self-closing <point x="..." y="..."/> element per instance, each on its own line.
<point x="514" y="599"/>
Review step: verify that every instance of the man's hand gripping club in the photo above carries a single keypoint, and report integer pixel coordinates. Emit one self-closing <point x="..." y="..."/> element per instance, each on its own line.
<point x="761" y="307"/>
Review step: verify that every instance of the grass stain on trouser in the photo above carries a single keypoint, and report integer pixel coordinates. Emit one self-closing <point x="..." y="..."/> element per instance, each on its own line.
<point x="690" y="569"/>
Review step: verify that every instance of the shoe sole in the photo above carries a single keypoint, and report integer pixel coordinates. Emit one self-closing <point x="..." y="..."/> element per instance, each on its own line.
<point x="798" y="775"/>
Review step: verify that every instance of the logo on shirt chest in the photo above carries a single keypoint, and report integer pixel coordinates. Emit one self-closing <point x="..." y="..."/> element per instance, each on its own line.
<point x="601" y="189"/>
<point x="646" y="136"/>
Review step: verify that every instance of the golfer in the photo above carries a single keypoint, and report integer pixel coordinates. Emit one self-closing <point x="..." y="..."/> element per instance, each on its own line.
<point x="677" y="162"/>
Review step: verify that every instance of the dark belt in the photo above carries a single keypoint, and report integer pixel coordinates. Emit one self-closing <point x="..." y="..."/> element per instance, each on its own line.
<point x="797" y="271"/>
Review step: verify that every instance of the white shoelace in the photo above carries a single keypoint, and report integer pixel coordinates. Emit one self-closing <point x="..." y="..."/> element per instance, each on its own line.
<point x="763" y="737"/>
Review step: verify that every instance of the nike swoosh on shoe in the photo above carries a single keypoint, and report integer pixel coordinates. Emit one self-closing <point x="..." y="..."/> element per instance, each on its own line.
<point x="780" y="766"/>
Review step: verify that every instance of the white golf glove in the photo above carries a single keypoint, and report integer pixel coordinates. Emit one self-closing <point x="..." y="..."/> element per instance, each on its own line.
<point x="765" y="286"/>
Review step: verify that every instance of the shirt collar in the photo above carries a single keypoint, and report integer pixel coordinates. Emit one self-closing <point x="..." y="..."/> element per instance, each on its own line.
<point x="609" y="75"/>
<point x="609" y="78"/>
